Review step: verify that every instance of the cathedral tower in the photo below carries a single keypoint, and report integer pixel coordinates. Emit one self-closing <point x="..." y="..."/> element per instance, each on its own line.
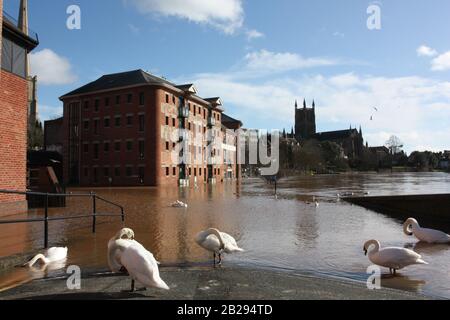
<point x="305" y="121"/>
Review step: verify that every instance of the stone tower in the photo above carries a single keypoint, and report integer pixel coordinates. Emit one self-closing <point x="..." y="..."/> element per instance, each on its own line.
<point x="305" y="121"/>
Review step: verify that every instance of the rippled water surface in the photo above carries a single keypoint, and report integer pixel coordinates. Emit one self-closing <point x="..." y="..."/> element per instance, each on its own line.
<point x="286" y="233"/>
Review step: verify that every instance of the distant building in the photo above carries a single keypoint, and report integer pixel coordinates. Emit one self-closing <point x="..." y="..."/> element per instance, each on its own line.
<point x="53" y="135"/>
<point x="351" y="140"/>
<point x="16" y="42"/>
<point x="132" y="128"/>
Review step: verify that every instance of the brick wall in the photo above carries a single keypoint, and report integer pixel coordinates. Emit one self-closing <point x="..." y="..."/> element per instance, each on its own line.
<point x="13" y="140"/>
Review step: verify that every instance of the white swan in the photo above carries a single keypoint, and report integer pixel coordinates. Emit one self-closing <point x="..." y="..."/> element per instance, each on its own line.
<point x="141" y="265"/>
<point x="393" y="258"/>
<point x="54" y="254"/>
<point x="412" y="227"/>
<point x="217" y="242"/>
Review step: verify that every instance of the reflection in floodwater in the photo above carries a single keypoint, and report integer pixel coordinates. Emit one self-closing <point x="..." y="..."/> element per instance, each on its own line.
<point x="289" y="233"/>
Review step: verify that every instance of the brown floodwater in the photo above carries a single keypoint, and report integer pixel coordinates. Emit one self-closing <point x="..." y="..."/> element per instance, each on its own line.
<point x="285" y="233"/>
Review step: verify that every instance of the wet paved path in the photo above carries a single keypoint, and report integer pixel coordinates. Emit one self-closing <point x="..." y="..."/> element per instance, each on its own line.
<point x="207" y="283"/>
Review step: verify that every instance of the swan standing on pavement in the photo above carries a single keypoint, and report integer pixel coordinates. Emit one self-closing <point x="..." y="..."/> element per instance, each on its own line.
<point x="126" y="253"/>
<point x="54" y="254"/>
<point x="217" y="242"/>
<point x="412" y="227"/>
<point x="393" y="258"/>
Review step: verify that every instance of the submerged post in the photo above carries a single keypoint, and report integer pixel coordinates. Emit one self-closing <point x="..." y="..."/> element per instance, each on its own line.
<point x="122" y="214"/>
<point x="46" y="222"/>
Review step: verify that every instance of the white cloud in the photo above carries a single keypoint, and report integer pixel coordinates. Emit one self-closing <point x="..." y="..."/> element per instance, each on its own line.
<point x="51" y="68"/>
<point x="226" y="15"/>
<point x="134" y="30"/>
<point x="416" y="109"/>
<point x="425" y="51"/>
<point x="266" y="61"/>
<point x="254" y="34"/>
<point x="441" y="62"/>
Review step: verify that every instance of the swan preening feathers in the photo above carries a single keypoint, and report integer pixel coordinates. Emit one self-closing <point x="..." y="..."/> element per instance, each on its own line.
<point x="394" y="258"/>
<point x="412" y="227"/>
<point x="217" y="242"/>
<point x="125" y="253"/>
<point x="55" y="254"/>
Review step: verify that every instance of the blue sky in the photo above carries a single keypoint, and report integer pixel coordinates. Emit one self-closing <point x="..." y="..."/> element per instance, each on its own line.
<point x="261" y="55"/>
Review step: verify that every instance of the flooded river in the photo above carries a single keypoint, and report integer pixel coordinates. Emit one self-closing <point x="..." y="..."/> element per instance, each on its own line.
<point x="285" y="233"/>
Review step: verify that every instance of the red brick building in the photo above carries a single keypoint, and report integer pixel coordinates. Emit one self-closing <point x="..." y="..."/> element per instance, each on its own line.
<point x="16" y="45"/>
<point x="133" y="128"/>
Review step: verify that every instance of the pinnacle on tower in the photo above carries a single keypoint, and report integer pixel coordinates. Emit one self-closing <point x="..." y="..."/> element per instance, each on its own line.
<point x="296" y="105"/>
<point x="304" y="103"/>
<point x="314" y="104"/>
<point x="23" y="16"/>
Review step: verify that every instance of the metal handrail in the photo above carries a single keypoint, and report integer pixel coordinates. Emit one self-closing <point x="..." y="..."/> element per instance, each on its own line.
<point x="46" y="218"/>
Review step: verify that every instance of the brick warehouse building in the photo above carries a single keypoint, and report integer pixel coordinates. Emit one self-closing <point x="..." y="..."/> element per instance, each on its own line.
<point x="133" y="128"/>
<point x="16" y="43"/>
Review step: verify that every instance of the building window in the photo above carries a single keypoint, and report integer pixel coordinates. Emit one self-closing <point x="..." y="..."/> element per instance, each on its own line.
<point x="86" y="148"/>
<point x="167" y="121"/>
<point x="96" y="151"/>
<point x="86" y="172"/>
<point x="106" y="171"/>
<point x="107" y="102"/>
<point x="167" y="98"/>
<point x="86" y="105"/>
<point x="200" y="172"/>
<point x="195" y="111"/>
<point x="174" y="171"/>
<point x="189" y="126"/>
<point x="106" y="146"/>
<point x="117" y="121"/>
<point x="129" y="98"/>
<point x="86" y="124"/>
<point x="204" y="113"/>
<point x="96" y="126"/>
<point x="167" y="171"/>
<point x="129" y="146"/>
<point x="141" y="174"/>
<point x="106" y="122"/>
<point x="141" y="149"/>
<point x="118" y="99"/>
<point x="96" y="105"/>
<point x="129" y="171"/>
<point x="117" y="171"/>
<point x="129" y="121"/>
<point x="173" y="99"/>
<point x="13" y="58"/>
<point x="141" y="98"/>
<point x="218" y="172"/>
<point x="173" y="122"/>
<point x="95" y="175"/>
<point x="190" y="171"/>
<point x="117" y="146"/>
<point x="167" y="145"/>
<point x="141" y="122"/>
<point x="195" y="172"/>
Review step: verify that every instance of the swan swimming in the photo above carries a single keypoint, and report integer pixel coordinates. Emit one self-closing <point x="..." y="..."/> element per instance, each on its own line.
<point x="217" y="242"/>
<point x="412" y="227"/>
<point x="393" y="258"/>
<point x="54" y="254"/>
<point x="126" y="253"/>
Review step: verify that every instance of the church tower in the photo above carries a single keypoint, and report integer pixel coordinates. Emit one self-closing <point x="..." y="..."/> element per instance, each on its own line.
<point x="305" y="121"/>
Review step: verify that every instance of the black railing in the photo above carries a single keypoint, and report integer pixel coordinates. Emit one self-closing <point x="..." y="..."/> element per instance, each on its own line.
<point x="14" y="22"/>
<point x="46" y="219"/>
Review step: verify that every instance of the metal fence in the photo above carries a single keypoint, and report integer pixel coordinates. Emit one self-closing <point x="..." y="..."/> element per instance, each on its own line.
<point x="46" y="219"/>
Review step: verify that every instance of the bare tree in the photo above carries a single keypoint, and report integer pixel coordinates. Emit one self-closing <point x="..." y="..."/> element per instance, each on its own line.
<point x="394" y="144"/>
